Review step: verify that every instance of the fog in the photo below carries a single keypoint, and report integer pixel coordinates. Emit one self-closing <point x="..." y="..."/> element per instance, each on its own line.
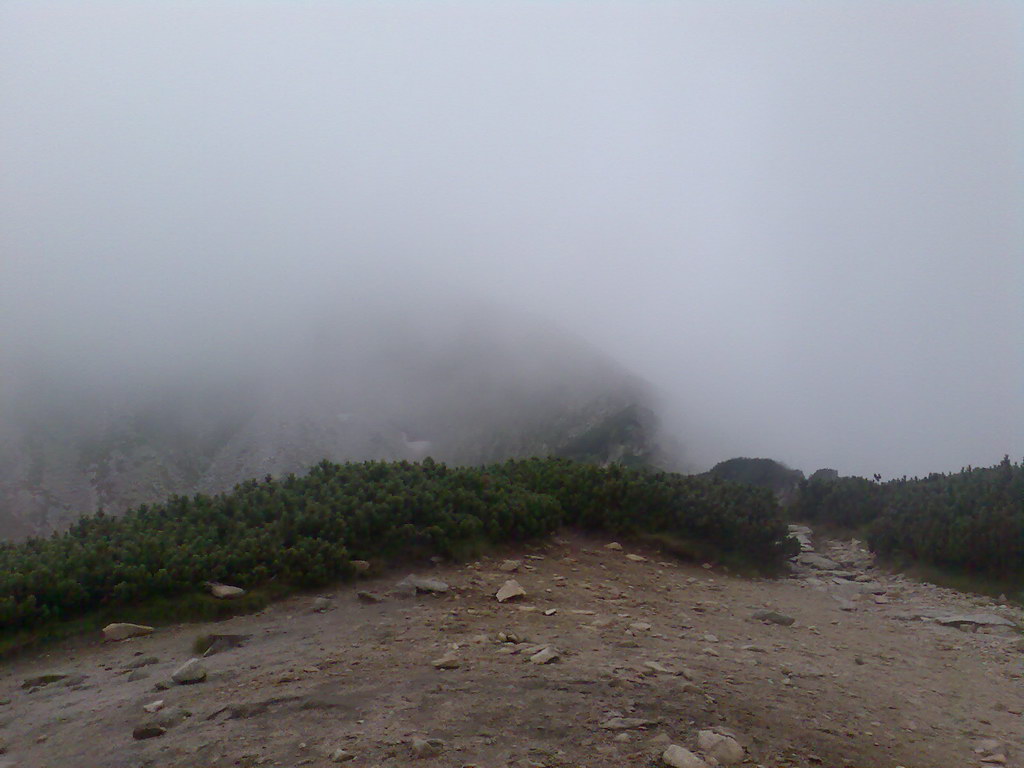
<point x="802" y="223"/>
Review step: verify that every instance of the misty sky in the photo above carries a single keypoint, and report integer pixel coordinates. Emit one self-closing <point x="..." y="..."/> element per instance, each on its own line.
<point x="803" y="222"/>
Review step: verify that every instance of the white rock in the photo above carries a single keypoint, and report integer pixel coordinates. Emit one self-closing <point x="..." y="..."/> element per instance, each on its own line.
<point x="510" y="566"/>
<point x="154" y="706"/>
<point x="636" y="558"/>
<point x="725" y="749"/>
<point x="544" y="656"/>
<point x="342" y="756"/>
<point x="121" y="631"/>
<point x="510" y="590"/>
<point x="224" y="591"/>
<point x="448" y="661"/>
<point x="192" y="671"/>
<point x="680" y="757"/>
<point x="614" y="546"/>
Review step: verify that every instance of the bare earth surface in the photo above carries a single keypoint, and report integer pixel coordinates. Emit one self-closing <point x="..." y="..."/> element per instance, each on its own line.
<point x="649" y="652"/>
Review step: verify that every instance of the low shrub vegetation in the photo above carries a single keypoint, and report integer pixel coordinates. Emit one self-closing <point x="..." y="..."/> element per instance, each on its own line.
<point x="970" y="521"/>
<point x="301" y="532"/>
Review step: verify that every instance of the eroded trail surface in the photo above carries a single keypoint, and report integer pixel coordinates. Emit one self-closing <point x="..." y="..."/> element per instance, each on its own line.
<point x="641" y="653"/>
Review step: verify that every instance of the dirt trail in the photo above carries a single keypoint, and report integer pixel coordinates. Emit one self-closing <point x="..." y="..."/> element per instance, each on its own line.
<point x="855" y="680"/>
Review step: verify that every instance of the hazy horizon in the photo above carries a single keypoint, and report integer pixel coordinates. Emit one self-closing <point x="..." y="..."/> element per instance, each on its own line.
<point x="803" y="224"/>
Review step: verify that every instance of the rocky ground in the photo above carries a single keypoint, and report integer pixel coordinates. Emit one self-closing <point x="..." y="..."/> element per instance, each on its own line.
<point x="613" y="656"/>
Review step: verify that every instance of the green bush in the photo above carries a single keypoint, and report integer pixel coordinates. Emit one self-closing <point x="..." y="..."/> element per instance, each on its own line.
<point x="970" y="521"/>
<point x="305" y="531"/>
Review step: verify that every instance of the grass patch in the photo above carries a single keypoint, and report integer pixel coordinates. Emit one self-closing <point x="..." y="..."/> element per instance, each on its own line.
<point x="156" y="612"/>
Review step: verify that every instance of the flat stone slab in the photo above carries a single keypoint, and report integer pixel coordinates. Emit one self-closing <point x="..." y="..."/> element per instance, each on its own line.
<point x="510" y="590"/>
<point x="820" y="562"/>
<point x="975" y="619"/>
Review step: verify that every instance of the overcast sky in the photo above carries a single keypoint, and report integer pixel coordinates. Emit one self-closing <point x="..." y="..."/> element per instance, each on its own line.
<point x="802" y="221"/>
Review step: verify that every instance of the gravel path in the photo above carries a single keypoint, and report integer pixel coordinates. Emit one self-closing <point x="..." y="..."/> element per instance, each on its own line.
<point x="649" y="652"/>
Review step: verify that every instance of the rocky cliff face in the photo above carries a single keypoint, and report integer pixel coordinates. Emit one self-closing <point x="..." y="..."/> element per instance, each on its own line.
<point x="461" y="391"/>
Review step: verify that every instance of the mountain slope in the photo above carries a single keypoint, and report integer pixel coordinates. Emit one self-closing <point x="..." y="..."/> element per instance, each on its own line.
<point x="460" y="386"/>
